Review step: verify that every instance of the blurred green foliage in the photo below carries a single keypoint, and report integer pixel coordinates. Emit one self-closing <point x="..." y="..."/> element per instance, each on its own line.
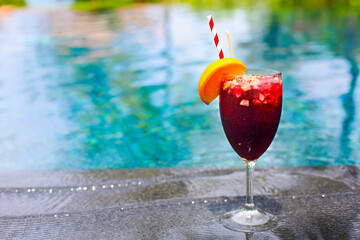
<point x="98" y="5"/>
<point x="102" y="5"/>
<point x="16" y="3"/>
<point x="274" y="4"/>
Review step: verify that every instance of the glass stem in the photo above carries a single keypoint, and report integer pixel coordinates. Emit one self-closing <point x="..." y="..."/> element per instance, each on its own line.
<point x="249" y="204"/>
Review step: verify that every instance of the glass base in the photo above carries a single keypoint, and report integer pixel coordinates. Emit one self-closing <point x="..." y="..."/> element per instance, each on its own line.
<point x="249" y="220"/>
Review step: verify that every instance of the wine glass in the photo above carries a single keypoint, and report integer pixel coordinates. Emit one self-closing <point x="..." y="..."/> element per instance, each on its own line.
<point x="250" y="110"/>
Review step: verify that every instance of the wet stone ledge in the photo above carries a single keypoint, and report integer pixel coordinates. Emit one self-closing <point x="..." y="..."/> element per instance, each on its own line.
<point x="312" y="203"/>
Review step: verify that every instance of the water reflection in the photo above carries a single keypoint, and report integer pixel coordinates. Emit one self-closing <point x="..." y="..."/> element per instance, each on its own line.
<point x="117" y="89"/>
<point x="123" y="111"/>
<point x="348" y="100"/>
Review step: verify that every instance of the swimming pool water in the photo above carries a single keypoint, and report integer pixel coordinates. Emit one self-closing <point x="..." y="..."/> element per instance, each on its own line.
<point x="118" y="89"/>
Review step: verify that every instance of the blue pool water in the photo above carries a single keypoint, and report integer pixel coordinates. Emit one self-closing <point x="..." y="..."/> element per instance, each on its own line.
<point x="118" y="89"/>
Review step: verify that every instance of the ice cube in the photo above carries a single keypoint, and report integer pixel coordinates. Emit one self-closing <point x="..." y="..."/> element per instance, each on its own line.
<point x="244" y="102"/>
<point x="245" y="87"/>
<point x="261" y="97"/>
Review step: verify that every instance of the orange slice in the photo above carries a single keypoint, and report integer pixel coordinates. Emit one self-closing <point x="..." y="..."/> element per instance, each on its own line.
<point x="210" y="80"/>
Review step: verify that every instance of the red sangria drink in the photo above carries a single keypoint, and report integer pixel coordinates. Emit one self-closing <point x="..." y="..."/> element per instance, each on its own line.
<point x="250" y="110"/>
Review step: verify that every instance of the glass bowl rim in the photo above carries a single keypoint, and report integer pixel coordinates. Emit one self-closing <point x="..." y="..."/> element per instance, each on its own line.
<point x="274" y="72"/>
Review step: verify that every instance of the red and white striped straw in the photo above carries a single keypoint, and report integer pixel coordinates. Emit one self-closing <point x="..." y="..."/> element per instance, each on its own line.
<point x="216" y="38"/>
